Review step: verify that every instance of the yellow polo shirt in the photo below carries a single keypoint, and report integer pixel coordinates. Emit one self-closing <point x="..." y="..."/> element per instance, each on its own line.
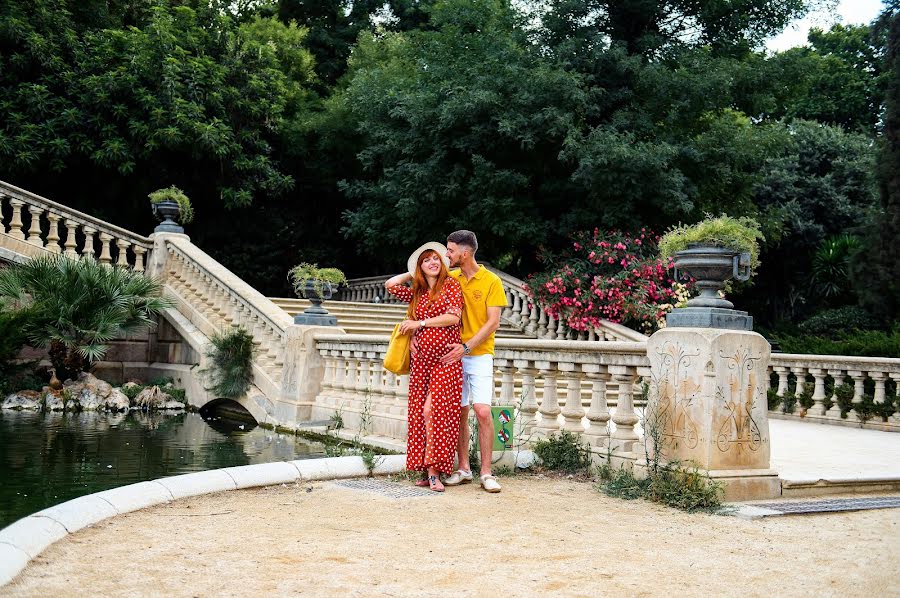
<point x="483" y="290"/>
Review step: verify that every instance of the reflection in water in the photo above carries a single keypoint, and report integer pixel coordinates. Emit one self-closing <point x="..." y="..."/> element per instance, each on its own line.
<point x="49" y="458"/>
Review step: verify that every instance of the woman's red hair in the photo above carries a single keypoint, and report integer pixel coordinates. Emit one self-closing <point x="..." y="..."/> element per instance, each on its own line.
<point x="420" y="283"/>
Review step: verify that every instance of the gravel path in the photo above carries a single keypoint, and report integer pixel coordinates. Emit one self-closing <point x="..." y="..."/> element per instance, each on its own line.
<point x="540" y="536"/>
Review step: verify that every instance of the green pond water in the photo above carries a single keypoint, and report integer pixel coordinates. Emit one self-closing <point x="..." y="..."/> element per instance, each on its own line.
<point x="49" y="458"/>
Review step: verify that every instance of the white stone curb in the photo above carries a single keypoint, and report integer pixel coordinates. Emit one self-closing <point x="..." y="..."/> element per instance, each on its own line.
<point x="28" y="537"/>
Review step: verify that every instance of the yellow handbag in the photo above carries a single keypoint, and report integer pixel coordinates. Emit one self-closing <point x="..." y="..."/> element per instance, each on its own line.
<point x="396" y="359"/>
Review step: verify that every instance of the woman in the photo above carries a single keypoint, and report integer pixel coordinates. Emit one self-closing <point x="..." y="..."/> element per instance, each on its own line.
<point x="435" y="389"/>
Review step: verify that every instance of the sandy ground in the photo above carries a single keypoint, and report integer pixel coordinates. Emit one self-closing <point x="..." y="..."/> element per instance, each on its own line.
<point x="541" y="536"/>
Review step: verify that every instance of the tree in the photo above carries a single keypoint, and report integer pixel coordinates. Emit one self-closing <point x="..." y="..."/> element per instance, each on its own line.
<point x="877" y="271"/>
<point x="186" y="90"/>
<point x="838" y="79"/>
<point x="816" y="188"/>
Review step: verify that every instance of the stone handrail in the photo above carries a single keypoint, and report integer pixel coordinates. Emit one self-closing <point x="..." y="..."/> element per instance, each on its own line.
<point x="521" y="312"/>
<point x="531" y="374"/>
<point x="214" y="299"/>
<point x="117" y="245"/>
<point x="816" y="372"/>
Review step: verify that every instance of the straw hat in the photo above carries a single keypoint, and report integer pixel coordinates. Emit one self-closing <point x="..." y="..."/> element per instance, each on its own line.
<point x="433" y="245"/>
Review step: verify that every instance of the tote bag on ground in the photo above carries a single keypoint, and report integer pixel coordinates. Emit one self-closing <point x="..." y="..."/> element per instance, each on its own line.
<point x="396" y="359"/>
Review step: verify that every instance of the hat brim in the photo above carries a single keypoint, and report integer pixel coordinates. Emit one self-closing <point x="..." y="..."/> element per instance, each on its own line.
<point x="433" y="245"/>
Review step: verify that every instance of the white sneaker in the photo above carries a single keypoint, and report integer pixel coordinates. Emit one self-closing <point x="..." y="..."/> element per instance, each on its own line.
<point x="458" y="477"/>
<point x="490" y="483"/>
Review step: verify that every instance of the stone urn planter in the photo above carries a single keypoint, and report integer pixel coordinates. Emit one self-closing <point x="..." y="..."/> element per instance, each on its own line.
<point x="167" y="212"/>
<point x="317" y="292"/>
<point x="711" y="267"/>
<point x="317" y="285"/>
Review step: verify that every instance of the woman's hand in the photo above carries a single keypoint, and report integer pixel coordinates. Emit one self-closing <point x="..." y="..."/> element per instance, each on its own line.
<point x="409" y="326"/>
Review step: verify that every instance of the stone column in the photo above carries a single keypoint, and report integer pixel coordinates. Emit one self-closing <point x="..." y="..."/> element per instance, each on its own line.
<point x="707" y="400"/>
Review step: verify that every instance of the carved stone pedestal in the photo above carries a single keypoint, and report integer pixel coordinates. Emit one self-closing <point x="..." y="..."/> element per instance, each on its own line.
<point x="707" y="405"/>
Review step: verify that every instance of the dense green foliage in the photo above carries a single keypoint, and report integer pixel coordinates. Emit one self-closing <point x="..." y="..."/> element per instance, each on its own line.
<point x="674" y="485"/>
<point x="563" y="452"/>
<point x="344" y="132"/>
<point x="230" y="369"/>
<point x="77" y="306"/>
<point x="741" y="235"/>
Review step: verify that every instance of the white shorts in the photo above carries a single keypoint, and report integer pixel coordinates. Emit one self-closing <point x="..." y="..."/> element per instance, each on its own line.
<point x="478" y="380"/>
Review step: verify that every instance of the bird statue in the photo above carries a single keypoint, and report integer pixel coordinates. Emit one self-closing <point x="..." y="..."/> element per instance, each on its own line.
<point x="55" y="384"/>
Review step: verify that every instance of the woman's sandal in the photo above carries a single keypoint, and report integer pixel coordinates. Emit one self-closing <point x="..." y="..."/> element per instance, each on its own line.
<point x="423" y="482"/>
<point x="434" y="483"/>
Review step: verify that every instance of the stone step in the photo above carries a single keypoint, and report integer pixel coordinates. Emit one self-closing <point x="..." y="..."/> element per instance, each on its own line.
<point x="369" y="318"/>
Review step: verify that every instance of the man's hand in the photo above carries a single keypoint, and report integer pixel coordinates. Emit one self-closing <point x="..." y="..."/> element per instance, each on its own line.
<point x="409" y="326"/>
<point x="454" y="353"/>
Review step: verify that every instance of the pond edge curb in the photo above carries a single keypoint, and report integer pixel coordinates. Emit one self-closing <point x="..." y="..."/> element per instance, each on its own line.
<point x="25" y="539"/>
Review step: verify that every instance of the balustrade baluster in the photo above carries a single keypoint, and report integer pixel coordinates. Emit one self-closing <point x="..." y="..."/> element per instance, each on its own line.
<point x="818" y="397"/>
<point x="71" y="243"/>
<point x="549" y="408"/>
<point x="800" y="373"/>
<point x="573" y="411"/>
<point x="835" y="409"/>
<point x="15" y="225"/>
<point x="624" y="438"/>
<point x="542" y="323"/>
<point x="105" y="255"/>
<point x="507" y="382"/>
<point x="53" y="232"/>
<point x="879" y="378"/>
<point x="532" y="326"/>
<point x="350" y="379"/>
<point x="517" y="309"/>
<point x="782" y="380"/>
<point x="139" y="258"/>
<point x="598" y="414"/>
<point x="528" y="406"/>
<point x="340" y="373"/>
<point x="859" y="389"/>
<point x="328" y="377"/>
<point x="560" y="329"/>
<point x="122" y="258"/>
<point x="88" y="248"/>
<point x="3" y="227"/>
<point x="34" y="231"/>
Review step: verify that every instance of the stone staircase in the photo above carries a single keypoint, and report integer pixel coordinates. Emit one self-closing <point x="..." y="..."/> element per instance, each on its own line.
<point x="372" y="318"/>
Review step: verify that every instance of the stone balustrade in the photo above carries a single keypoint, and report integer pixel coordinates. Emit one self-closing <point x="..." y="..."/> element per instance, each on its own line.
<point x="821" y="374"/>
<point x="588" y="388"/>
<point x="520" y="312"/>
<point x="32" y="225"/>
<point x="367" y="290"/>
<point x="214" y="299"/>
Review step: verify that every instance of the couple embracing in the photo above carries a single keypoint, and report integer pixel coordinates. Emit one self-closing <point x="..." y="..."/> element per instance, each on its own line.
<point x="454" y="310"/>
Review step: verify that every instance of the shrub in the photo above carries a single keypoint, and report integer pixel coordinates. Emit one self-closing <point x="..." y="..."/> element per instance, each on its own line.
<point x="831" y="323"/>
<point x="862" y="343"/>
<point x="613" y="276"/>
<point x="77" y="306"/>
<point x="789" y="402"/>
<point x="563" y="452"/>
<point x="773" y="399"/>
<point x="230" y="370"/>
<point x="805" y="399"/>
<point x="685" y="488"/>
<point x="844" y="396"/>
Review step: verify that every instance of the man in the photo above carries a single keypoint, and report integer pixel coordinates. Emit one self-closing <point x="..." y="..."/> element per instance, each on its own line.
<point x="484" y="299"/>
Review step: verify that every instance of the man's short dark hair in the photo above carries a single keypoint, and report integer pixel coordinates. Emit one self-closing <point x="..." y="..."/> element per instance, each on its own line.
<point x="464" y="237"/>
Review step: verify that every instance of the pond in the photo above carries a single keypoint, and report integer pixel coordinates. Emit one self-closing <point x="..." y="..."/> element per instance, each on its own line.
<point x="49" y="458"/>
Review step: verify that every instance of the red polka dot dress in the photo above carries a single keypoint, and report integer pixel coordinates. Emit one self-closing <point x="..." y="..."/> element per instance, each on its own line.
<point x="436" y="446"/>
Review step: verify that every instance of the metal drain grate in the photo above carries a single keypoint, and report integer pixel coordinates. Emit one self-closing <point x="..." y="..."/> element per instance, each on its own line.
<point x="832" y="505"/>
<point x="385" y="488"/>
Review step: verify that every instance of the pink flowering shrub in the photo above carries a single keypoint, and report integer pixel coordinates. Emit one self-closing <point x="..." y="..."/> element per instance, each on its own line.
<point x="611" y="276"/>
